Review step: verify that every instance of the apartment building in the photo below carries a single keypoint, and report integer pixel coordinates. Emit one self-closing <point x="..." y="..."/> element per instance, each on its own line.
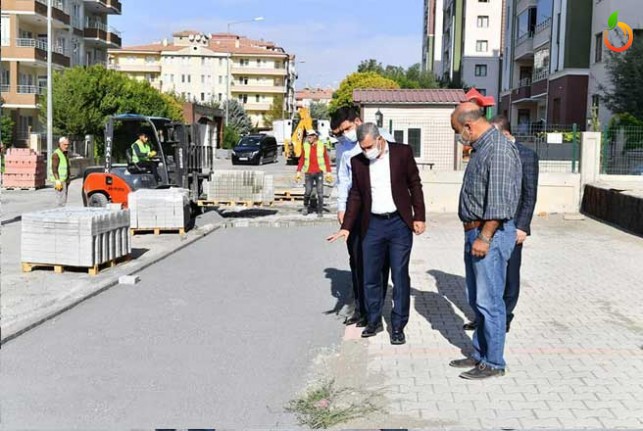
<point x="305" y="97"/>
<point x="432" y="36"/>
<point x="81" y="36"/>
<point x="547" y="58"/>
<point x="631" y="13"/>
<point x="197" y="66"/>
<point x="472" y="43"/>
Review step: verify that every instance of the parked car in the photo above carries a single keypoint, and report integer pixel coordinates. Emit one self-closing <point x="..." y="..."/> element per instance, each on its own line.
<point x="255" y="149"/>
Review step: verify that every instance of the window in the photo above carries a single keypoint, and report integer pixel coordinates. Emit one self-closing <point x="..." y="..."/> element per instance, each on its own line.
<point x="596" y="100"/>
<point x="482" y="46"/>
<point x="243" y="80"/>
<point x="482" y="91"/>
<point x="202" y="79"/>
<point x="257" y="98"/>
<point x="202" y="61"/>
<point x="6" y="30"/>
<point x="598" y="51"/>
<point x="220" y="62"/>
<point x="189" y="79"/>
<point x="202" y="97"/>
<point x="183" y="79"/>
<point x="258" y="62"/>
<point x="415" y="141"/>
<point x="483" y="21"/>
<point x="220" y="79"/>
<point x="398" y="135"/>
<point x="220" y="97"/>
<point x="481" y="70"/>
<point x="243" y="98"/>
<point x="483" y="1"/>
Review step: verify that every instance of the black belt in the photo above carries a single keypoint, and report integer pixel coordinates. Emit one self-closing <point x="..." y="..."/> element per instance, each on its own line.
<point x="385" y="215"/>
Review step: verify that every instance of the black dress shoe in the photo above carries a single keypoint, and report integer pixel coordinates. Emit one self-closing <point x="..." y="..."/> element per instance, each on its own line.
<point x="470" y="326"/>
<point x="362" y="323"/>
<point x="353" y="319"/>
<point x="482" y="371"/>
<point x="397" y="337"/>
<point x="463" y="363"/>
<point x="371" y="331"/>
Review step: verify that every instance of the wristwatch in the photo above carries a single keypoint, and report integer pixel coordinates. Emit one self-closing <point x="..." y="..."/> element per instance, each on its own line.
<point x="484" y="239"/>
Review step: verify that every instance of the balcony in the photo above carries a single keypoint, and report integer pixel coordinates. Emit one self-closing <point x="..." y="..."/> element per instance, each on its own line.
<point x="33" y="11"/>
<point x="258" y="71"/>
<point x="523" y="92"/>
<point x="542" y="34"/>
<point x="258" y="89"/>
<point x="99" y="33"/>
<point x="137" y="68"/>
<point x="524" y="47"/>
<point x="114" y="38"/>
<point x="26" y="96"/>
<point x="4" y="88"/>
<point x="539" y="82"/>
<point x="29" y="50"/>
<point x="251" y="106"/>
<point x="110" y="7"/>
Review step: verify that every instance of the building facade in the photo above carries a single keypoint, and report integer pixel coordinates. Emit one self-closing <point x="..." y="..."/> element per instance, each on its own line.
<point x="199" y="67"/>
<point x="472" y="44"/>
<point x="546" y="67"/>
<point x="432" y="36"/>
<point x="303" y="98"/>
<point x="629" y="12"/>
<point x="81" y="36"/>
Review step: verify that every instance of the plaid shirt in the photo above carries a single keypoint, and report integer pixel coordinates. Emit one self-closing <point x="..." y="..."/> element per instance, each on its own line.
<point x="492" y="180"/>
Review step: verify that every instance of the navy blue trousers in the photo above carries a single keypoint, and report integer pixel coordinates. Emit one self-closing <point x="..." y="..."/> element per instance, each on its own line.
<point x="392" y="238"/>
<point x="512" y="285"/>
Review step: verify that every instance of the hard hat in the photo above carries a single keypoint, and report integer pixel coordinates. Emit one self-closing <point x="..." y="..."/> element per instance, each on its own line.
<point x="311" y="132"/>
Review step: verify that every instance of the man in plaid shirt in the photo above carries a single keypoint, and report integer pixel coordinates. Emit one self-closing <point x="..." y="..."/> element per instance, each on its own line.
<point x="488" y="202"/>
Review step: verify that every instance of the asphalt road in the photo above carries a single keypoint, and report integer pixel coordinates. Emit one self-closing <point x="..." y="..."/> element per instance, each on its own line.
<point x="221" y="334"/>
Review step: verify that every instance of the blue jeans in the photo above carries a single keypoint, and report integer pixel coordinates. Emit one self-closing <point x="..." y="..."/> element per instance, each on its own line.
<point x="393" y="238"/>
<point x="485" y="278"/>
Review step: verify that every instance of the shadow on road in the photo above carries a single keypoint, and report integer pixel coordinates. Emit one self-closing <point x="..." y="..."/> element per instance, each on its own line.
<point x="138" y="252"/>
<point x="437" y="308"/>
<point x="341" y="289"/>
<point x="248" y="213"/>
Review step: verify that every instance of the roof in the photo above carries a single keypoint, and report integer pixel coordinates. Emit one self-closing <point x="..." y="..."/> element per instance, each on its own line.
<point x="409" y="96"/>
<point x="315" y="94"/>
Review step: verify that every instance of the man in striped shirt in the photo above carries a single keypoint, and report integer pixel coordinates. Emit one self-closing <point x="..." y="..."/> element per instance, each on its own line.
<point x="488" y="202"/>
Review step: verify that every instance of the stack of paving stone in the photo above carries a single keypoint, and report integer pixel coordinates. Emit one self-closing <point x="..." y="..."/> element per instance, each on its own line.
<point x="80" y="237"/>
<point x="241" y="186"/>
<point x="159" y="209"/>
<point x="24" y="169"/>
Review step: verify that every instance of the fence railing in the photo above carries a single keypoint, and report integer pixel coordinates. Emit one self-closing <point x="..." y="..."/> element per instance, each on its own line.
<point x="39" y="44"/>
<point x="557" y="145"/>
<point x="622" y="151"/>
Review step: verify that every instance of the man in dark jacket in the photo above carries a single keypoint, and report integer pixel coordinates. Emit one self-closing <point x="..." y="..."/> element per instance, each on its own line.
<point x="387" y="192"/>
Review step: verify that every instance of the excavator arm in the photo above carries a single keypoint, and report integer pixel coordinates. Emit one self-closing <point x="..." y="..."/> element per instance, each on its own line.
<point x="293" y="147"/>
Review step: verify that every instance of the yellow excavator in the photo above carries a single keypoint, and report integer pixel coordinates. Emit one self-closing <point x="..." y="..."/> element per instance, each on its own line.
<point x="293" y="146"/>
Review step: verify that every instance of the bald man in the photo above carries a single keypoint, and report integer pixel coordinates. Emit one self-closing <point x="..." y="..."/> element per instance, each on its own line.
<point x="488" y="202"/>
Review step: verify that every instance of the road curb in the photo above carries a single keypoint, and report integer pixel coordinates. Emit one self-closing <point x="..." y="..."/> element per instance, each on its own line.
<point x="57" y="309"/>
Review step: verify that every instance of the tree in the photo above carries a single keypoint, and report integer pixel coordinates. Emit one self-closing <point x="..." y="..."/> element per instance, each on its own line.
<point x="6" y="130"/>
<point x="276" y="110"/>
<point x="238" y="120"/>
<point x="344" y="94"/>
<point x="413" y="77"/>
<point x="319" y="111"/>
<point x="85" y="97"/>
<point x="230" y="138"/>
<point x="625" y="71"/>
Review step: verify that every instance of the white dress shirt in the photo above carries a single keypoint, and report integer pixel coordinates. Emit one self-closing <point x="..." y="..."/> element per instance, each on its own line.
<point x="381" y="192"/>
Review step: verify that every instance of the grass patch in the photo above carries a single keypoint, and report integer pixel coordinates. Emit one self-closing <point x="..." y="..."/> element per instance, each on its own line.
<point x="327" y="406"/>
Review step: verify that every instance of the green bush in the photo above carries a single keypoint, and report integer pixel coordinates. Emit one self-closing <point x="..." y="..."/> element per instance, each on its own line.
<point x="230" y="138"/>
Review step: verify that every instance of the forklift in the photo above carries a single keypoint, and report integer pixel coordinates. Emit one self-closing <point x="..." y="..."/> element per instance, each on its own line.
<point x="180" y="161"/>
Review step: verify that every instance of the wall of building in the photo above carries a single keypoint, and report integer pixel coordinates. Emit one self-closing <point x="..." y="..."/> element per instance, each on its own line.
<point x="571" y="90"/>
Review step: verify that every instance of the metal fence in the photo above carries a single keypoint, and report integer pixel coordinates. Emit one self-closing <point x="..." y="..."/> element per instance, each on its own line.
<point x="557" y="145"/>
<point x="622" y="151"/>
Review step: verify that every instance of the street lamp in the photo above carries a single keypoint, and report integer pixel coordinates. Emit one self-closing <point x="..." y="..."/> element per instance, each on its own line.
<point x="227" y="102"/>
<point x="50" y="102"/>
<point x="379" y="118"/>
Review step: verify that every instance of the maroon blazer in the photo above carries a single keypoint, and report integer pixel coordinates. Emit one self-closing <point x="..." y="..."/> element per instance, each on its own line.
<point x="406" y="186"/>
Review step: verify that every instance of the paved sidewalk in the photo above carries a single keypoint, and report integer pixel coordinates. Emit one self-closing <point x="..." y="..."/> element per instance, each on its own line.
<point x="574" y="353"/>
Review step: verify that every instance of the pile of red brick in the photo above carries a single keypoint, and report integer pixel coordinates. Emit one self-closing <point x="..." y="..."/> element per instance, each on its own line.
<point x="24" y="169"/>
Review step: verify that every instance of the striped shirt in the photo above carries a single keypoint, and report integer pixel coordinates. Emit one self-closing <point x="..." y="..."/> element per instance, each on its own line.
<point x="492" y="180"/>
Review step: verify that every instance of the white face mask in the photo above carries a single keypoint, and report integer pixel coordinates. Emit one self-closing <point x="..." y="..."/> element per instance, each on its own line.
<point x="351" y="135"/>
<point x="373" y="153"/>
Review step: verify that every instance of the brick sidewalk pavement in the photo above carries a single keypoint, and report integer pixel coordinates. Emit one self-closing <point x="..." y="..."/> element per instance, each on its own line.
<point x="574" y="353"/>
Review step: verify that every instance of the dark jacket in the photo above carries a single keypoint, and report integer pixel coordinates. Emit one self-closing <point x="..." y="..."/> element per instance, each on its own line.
<point x="406" y="186"/>
<point x="528" y="190"/>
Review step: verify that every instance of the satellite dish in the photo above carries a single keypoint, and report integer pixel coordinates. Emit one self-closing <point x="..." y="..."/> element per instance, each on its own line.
<point x="191" y="37"/>
<point x="198" y="37"/>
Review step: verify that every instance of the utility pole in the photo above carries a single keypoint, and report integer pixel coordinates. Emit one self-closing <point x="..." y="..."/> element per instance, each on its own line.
<point x="50" y="102"/>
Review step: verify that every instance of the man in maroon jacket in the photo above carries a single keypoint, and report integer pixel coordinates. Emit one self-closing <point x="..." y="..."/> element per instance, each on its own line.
<point x="387" y="191"/>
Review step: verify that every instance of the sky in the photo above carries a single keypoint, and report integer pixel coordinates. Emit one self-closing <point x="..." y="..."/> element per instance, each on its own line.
<point x="329" y="37"/>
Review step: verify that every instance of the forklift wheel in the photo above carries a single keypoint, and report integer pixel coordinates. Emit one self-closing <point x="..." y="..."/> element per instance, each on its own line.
<point x="97" y="200"/>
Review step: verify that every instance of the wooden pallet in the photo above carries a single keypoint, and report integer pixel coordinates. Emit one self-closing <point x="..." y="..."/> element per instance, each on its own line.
<point x="157" y="231"/>
<point x="246" y="204"/>
<point x="23" y="188"/>
<point x="59" y="269"/>
<point x="293" y="196"/>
